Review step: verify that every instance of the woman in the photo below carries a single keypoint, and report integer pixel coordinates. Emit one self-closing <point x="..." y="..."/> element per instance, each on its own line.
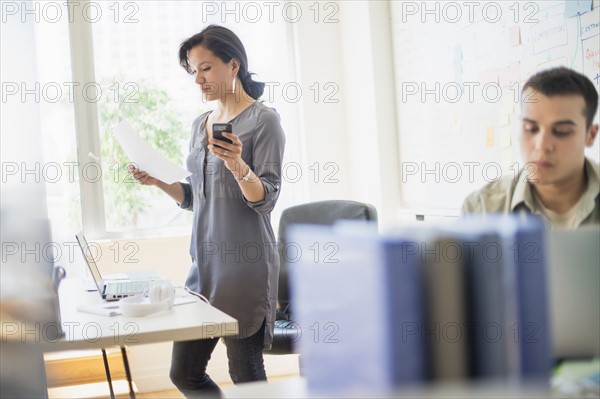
<point x="232" y="191"/>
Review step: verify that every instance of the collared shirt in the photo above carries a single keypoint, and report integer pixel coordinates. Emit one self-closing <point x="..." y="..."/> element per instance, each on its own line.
<point x="511" y="194"/>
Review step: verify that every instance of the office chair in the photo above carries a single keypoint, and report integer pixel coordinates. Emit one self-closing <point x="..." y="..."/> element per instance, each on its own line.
<point x="286" y="331"/>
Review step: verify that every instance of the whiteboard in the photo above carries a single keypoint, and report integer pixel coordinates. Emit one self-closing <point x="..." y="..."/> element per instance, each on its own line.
<point x="459" y="69"/>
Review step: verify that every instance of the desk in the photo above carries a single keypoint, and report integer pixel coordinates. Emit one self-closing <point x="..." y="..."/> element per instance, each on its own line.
<point x="88" y="331"/>
<point x="182" y="323"/>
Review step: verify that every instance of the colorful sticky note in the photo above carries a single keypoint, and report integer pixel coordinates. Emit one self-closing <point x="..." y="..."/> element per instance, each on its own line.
<point x="575" y="7"/>
<point x="458" y="54"/>
<point x="489" y="137"/>
<point x="515" y="35"/>
<point x="456" y="125"/>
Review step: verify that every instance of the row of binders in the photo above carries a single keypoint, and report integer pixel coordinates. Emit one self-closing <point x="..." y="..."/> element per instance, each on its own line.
<point x="461" y="302"/>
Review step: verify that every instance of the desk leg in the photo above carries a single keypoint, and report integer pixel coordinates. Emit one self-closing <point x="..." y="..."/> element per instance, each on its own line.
<point x="108" y="377"/>
<point x="127" y="372"/>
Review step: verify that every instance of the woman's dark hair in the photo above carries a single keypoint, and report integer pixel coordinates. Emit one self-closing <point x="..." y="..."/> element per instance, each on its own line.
<point x="226" y="45"/>
<point x="563" y="81"/>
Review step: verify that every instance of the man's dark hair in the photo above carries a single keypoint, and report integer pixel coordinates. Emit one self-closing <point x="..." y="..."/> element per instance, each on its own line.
<point x="564" y="81"/>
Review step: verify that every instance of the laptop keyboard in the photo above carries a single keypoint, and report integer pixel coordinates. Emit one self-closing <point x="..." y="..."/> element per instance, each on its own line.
<point x="133" y="286"/>
<point x="128" y="287"/>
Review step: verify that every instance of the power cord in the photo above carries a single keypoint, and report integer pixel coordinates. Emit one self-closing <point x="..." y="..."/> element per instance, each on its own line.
<point x="202" y="297"/>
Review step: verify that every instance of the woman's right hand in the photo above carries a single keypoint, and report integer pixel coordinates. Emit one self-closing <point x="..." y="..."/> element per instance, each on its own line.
<point x="143" y="177"/>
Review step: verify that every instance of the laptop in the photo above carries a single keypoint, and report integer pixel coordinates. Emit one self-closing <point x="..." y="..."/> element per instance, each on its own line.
<point x="113" y="290"/>
<point x="574" y="280"/>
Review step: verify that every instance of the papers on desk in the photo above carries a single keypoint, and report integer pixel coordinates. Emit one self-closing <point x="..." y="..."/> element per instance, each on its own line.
<point x="104" y="309"/>
<point x="147" y="158"/>
<point x="112" y="309"/>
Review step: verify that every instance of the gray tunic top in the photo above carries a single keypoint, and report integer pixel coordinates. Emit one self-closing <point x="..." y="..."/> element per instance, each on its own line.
<point x="235" y="263"/>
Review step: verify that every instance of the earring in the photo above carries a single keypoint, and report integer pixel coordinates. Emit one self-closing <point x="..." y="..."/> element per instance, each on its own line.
<point x="233" y="85"/>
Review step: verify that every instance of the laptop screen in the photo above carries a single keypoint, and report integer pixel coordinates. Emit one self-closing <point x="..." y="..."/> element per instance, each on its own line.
<point x="89" y="259"/>
<point x="574" y="259"/>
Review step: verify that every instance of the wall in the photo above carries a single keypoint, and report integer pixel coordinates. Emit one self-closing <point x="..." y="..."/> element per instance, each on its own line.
<point x="460" y="67"/>
<point x="369" y="106"/>
<point x="358" y="133"/>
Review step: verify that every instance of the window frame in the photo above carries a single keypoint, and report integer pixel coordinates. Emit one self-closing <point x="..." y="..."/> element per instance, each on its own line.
<point x="86" y="123"/>
<point x="93" y="211"/>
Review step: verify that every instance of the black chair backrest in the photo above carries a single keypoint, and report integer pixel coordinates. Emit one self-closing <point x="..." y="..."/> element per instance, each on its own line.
<point x="324" y="213"/>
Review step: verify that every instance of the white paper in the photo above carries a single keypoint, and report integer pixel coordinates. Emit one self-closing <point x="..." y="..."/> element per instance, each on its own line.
<point x="102" y="310"/>
<point x="146" y="158"/>
<point x="112" y="309"/>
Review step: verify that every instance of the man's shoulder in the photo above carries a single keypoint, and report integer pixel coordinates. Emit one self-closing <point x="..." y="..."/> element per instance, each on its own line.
<point x="495" y="196"/>
<point x="595" y="166"/>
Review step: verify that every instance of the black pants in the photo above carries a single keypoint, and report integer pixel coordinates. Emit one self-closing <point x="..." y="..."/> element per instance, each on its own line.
<point x="190" y="359"/>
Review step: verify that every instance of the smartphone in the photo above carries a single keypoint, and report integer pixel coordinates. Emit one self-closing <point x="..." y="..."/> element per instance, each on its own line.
<point x="219" y="128"/>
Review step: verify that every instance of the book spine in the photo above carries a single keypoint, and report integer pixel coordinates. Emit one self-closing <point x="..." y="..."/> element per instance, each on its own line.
<point x="485" y="306"/>
<point x="403" y="282"/>
<point x="445" y="310"/>
<point x="533" y="329"/>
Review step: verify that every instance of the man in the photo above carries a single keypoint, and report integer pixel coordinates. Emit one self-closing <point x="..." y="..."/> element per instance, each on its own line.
<point x="557" y="180"/>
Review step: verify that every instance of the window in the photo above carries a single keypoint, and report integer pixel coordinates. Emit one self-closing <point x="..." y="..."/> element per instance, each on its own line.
<point x="137" y="77"/>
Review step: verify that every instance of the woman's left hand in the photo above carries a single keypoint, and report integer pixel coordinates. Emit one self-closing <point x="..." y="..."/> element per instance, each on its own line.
<point x="231" y="154"/>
